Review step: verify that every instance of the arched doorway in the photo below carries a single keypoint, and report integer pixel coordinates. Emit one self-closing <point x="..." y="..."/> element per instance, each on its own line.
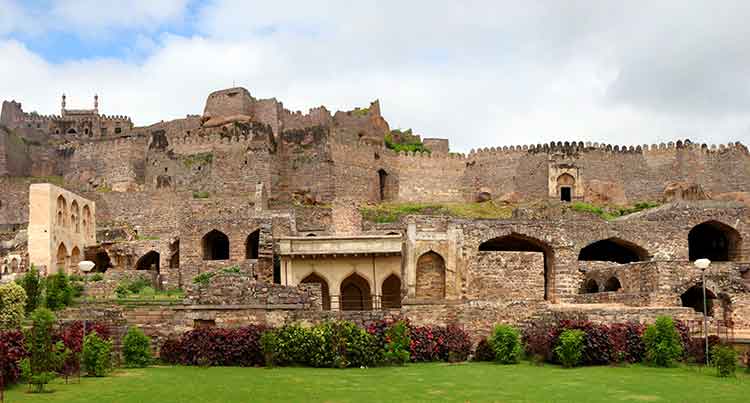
<point x="174" y="250"/>
<point x="391" y="292"/>
<point x="62" y="258"/>
<point x="715" y="241"/>
<point x="522" y="243"/>
<point x="13" y="265"/>
<point x="215" y="246"/>
<point x="613" y="250"/>
<point x="355" y="294"/>
<point x="252" y="245"/>
<point x="149" y="261"/>
<point x="314" y="278"/>
<point x="430" y="276"/>
<point x="382" y="179"/>
<point x="590" y="286"/>
<point x="565" y="186"/>
<point x="75" y="258"/>
<point x="693" y="298"/>
<point x="613" y="284"/>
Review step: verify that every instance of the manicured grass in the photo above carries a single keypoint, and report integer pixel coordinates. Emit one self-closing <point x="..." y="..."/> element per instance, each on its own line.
<point x="472" y="382"/>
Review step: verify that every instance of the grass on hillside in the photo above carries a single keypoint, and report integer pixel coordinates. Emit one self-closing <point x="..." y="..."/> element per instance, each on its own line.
<point x="611" y="212"/>
<point x="391" y="212"/>
<point x="470" y="382"/>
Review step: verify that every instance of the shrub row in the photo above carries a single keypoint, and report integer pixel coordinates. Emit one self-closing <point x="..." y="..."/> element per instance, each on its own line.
<point x="216" y="346"/>
<point x="439" y="343"/>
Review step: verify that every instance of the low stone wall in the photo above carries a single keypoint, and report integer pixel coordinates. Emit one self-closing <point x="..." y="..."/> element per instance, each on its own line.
<point x="238" y="289"/>
<point x="613" y="297"/>
<point x="106" y="288"/>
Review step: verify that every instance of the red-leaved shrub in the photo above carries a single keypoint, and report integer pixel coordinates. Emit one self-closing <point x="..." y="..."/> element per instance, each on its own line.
<point x="12" y="351"/>
<point x="217" y="346"/>
<point x="438" y="343"/>
<point x="484" y="351"/>
<point x="627" y="344"/>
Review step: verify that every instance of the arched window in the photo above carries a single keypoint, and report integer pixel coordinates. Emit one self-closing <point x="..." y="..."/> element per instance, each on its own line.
<point x="215" y="246"/>
<point x="391" y="291"/>
<point x="86" y="219"/>
<point x="14" y="265"/>
<point x="565" y="185"/>
<point x="149" y="261"/>
<point x="715" y="241"/>
<point x="355" y="294"/>
<point x="522" y="243"/>
<point x="613" y="284"/>
<point x="613" y="250"/>
<point x="62" y="211"/>
<point x="62" y="258"/>
<point x="75" y="218"/>
<point x="590" y="286"/>
<point x="431" y="276"/>
<point x="313" y="278"/>
<point x="693" y="298"/>
<point x="252" y="245"/>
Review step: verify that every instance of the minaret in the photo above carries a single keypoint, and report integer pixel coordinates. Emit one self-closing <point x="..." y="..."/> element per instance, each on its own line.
<point x="63" y="103"/>
<point x="96" y="103"/>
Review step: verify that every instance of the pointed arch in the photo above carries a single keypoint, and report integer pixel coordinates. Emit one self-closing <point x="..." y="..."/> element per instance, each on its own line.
<point x="86" y="219"/>
<point x="613" y="284"/>
<point x="355" y="294"/>
<point x="62" y="210"/>
<point x="382" y="181"/>
<point x="75" y="217"/>
<point x="430" y="276"/>
<point x="613" y="250"/>
<point x="62" y="258"/>
<point x="215" y="246"/>
<point x="149" y="261"/>
<point x="515" y="242"/>
<point x="75" y="258"/>
<point x="715" y="241"/>
<point x="174" y="250"/>
<point x="315" y="278"/>
<point x="252" y="245"/>
<point x="391" y="292"/>
<point x="14" y="265"/>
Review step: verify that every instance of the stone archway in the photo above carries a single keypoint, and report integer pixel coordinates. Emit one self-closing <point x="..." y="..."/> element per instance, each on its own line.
<point x="252" y="245"/>
<point x="430" y="276"/>
<point x="391" y="292"/>
<point x="215" y="246"/>
<point x="62" y="258"/>
<point x="149" y="261"/>
<point x="613" y="250"/>
<point x="75" y="258"/>
<point x="566" y="187"/>
<point x="590" y="286"/>
<point x="355" y="294"/>
<point x="613" y="284"/>
<point x="515" y="242"/>
<point x="314" y="278"/>
<point x="715" y="241"/>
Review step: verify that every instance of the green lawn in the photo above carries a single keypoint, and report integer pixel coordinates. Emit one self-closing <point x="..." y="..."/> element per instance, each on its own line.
<point x="420" y="382"/>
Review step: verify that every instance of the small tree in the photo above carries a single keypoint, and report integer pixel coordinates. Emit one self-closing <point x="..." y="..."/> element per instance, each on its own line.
<point x="506" y="343"/>
<point x="397" y="343"/>
<point x="12" y="306"/>
<point x="662" y="342"/>
<point x="136" y="348"/>
<point x="59" y="291"/>
<point x="42" y="360"/>
<point x="33" y="285"/>
<point x="724" y="358"/>
<point x="96" y="357"/>
<point x="569" y="349"/>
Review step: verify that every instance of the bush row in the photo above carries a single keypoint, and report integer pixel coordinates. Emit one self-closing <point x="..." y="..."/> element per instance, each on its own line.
<point x="336" y="344"/>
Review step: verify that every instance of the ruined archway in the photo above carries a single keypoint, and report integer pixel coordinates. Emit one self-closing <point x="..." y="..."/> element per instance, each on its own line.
<point x="515" y="242"/>
<point x="252" y="245"/>
<point x="174" y="250"/>
<point x="715" y="241"/>
<point x="391" y="292"/>
<point x="613" y="284"/>
<point x="62" y="258"/>
<point x="590" y="286"/>
<point x="102" y="262"/>
<point x="314" y="278"/>
<point x="149" y="261"/>
<point x="382" y="181"/>
<point x="355" y="294"/>
<point x="613" y="250"/>
<point x="693" y="298"/>
<point x="430" y="276"/>
<point x="215" y="246"/>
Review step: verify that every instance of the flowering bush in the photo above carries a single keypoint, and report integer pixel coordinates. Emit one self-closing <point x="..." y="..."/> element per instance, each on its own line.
<point x="397" y="344"/>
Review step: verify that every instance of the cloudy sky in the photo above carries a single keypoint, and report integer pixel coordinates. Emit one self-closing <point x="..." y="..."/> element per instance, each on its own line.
<point x="482" y="73"/>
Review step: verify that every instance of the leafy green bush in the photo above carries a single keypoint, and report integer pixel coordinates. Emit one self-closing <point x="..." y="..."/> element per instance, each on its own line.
<point x="121" y="291"/>
<point x="569" y="349"/>
<point x="96" y="277"/>
<point x="34" y="286"/>
<point x="96" y="356"/>
<point x="724" y="358"/>
<point x="76" y="277"/>
<point x="42" y="362"/>
<point x="506" y="343"/>
<point x="397" y="344"/>
<point x="288" y="345"/>
<point x="12" y="306"/>
<point x="662" y="342"/>
<point x="59" y="292"/>
<point x="136" y="348"/>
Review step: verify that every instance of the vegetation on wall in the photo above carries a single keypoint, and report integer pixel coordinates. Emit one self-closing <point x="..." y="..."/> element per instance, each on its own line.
<point x="198" y="159"/>
<point x="392" y="212"/>
<point x="404" y="140"/>
<point x="611" y="212"/>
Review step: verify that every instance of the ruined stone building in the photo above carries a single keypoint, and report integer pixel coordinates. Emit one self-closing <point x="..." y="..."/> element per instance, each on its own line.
<point x="279" y="196"/>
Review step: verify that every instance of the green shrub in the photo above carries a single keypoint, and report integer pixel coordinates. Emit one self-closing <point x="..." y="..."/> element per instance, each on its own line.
<point x="203" y="278"/>
<point x="289" y="345"/>
<point x="121" y="291"/>
<point x="137" y="285"/>
<point x="136" y="348"/>
<point x="34" y="286"/>
<point x="662" y="342"/>
<point x="398" y="344"/>
<point x="569" y="349"/>
<point x="42" y="361"/>
<point x="76" y="277"/>
<point x="78" y="289"/>
<point x="12" y="306"/>
<point x="724" y="358"/>
<point x="506" y="343"/>
<point x="59" y="292"/>
<point x="96" y="277"/>
<point x="96" y="356"/>
<point x="201" y="195"/>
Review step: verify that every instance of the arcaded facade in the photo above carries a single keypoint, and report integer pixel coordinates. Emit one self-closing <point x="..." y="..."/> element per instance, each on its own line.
<point x="279" y="196"/>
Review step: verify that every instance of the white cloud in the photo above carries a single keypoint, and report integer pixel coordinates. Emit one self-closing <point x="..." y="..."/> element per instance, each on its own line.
<point x="480" y="73"/>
